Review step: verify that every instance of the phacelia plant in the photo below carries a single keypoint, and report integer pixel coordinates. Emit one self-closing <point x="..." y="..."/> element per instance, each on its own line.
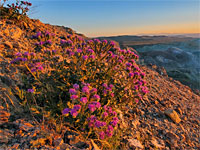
<point x="85" y="81"/>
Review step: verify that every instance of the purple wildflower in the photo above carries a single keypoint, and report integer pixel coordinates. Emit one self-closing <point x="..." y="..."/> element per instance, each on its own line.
<point x="85" y="89"/>
<point x="66" y="111"/>
<point x="128" y="64"/>
<point x="79" y="50"/>
<point x="136" y="73"/>
<point x="73" y="97"/>
<point x="54" y="51"/>
<point x="74" y="113"/>
<point x="63" y="41"/>
<point x="109" y="89"/>
<point x="90" y="51"/>
<point x="112" y="94"/>
<point x="96" y="96"/>
<point x="33" y="70"/>
<point x="77" y="107"/>
<point x="26" y="54"/>
<point x="105" y="85"/>
<point x="98" y="124"/>
<point x="136" y="87"/>
<point x="105" y="107"/>
<point x="24" y="59"/>
<point x="110" y="52"/>
<point x="40" y="68"/>
<point x="109" y="109"/>
<point x="39" y="34"/>
<point x="105" y="41"/>
<point x="121" y="57"/>
<point x="97" y="41"/>
<point x="30" y="90"/>
<point x="18" y="54"/>
<point x="114" y="122"/>
<point x="84" y="100"/>
<point x="120" y="61"/>
<point x="76" y="86"/>
<point x="92" y="56"/>
<point x="104" y="92"/>
<point x="102" y="135"/>
<point x="114" y="113"/>
<point x="69" y="42"/>
<point x="112" y="43"/>
<point x="72" y="91"/>
<point x="93" y="90"/>
<point x="105" y="114"/>
<point x="109" y="133"/>
<point x="48" y="42"/>
<point x="98" y="104"/>
<point x="93" y="118"/>
<point x="110" y="128"/>
<point x="131" y="74"/>
<point x="92" y="107"/>
<point x="85" y="57"/>
<point x="41" y="43"/>
<point x="33" y="54"/>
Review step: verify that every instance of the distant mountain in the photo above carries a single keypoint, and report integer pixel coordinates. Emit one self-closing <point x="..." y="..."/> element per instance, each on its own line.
<point x="179" y="54"/>
<point x="137" y="41"/>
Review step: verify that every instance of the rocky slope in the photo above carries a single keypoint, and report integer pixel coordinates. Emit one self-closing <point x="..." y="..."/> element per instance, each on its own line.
<point x="168" y="118"/>
<point x="179" y="55"/>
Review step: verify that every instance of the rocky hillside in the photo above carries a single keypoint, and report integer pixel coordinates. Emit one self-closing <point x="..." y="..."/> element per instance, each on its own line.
<point x="168" y="117"/>
<point x="179" y="55"/>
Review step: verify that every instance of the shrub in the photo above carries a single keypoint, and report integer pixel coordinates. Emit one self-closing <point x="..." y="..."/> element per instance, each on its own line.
<point x="83" y="80"/>
<point x="16" y="10"/>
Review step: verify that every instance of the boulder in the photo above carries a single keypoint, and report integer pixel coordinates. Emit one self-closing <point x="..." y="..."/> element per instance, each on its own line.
<point x="173" y="115"/>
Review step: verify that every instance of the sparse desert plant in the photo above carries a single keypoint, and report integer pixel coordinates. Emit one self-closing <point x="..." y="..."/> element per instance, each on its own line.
<point x="17" y="10"/>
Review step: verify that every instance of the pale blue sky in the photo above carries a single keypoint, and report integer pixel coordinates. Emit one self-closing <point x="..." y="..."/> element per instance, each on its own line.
<point x="114" y="17"/>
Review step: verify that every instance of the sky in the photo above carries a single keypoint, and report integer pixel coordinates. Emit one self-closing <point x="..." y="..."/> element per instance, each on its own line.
<point x="95" y="18"/>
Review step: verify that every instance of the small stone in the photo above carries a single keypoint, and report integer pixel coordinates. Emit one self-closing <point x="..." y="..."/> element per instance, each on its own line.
<point x="25" y="25"/>
<point x="180" y="111"/>
<point x="156" y="144"/>
<point x="65" y="146"/>
<point x="173" y="115"/>
<point x="2" y="47"/>
<point x="156" y="102"/>
<point x="8" y="44"/>
<point x="58" y="142"/>
<point x="15" y="146"/>
<point x="94" y="145"/>
<point x="182" y="137"/>
<point x="135" y="143"/>
<point x="135" y="123"/>
<point x="4" y="115"/>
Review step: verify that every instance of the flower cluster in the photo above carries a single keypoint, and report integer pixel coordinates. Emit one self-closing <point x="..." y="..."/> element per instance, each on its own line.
<point x="87" y="80"/>
<point x="43" y="39"/>
<point x="101" y="120"/>
<point x="19" y="8"/>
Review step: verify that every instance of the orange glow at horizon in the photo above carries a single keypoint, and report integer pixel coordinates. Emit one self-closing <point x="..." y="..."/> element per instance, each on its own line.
<point x="187" y="28"/>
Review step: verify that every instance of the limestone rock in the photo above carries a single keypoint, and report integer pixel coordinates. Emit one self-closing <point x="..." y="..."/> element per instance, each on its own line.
<point x="8" y="44"/>
<point x="135" y="143"/>
<point x="13" y="32"/>
<point x="173" y="115"/>
<point x="4" y="115"/>
<point x="2" y="47"/>
<point x="58" y="142"/>
<point x="95" y="147"/>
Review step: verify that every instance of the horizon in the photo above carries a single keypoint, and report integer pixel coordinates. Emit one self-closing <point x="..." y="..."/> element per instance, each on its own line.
<point x="115" y="17"/>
